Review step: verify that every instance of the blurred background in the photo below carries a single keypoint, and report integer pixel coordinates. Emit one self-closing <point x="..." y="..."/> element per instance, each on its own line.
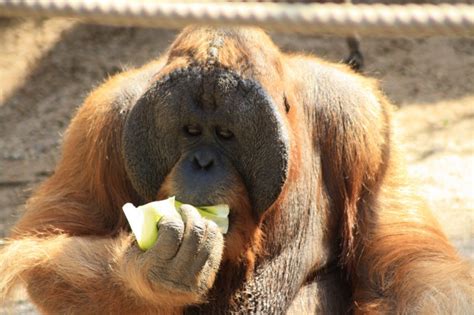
<point x="48" y="66"/>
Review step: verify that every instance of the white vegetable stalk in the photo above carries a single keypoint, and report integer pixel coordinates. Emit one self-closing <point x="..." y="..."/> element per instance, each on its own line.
<point x="143" y="220"/>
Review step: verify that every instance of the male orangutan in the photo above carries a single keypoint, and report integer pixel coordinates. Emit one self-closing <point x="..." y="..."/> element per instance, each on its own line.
<point x="322" y="217"/>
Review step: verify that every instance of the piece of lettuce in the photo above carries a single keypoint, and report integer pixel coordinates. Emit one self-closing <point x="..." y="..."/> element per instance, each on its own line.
<point x="143" y="219"/>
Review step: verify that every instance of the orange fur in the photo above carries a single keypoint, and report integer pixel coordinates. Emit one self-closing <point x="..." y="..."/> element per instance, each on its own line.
<point x="403" y="262"/>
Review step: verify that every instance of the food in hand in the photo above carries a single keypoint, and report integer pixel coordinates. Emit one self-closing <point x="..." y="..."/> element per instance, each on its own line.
<point x="143" y="220"/>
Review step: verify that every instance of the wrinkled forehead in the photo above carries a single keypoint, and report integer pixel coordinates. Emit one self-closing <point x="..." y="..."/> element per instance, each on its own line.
<point x="215" y="90"/>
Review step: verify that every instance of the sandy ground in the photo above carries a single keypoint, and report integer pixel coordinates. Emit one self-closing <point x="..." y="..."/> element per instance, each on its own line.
<point x="47" y="68"/>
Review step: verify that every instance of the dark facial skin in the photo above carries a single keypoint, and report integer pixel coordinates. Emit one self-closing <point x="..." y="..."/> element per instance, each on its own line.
<point x="189" y="122"/>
